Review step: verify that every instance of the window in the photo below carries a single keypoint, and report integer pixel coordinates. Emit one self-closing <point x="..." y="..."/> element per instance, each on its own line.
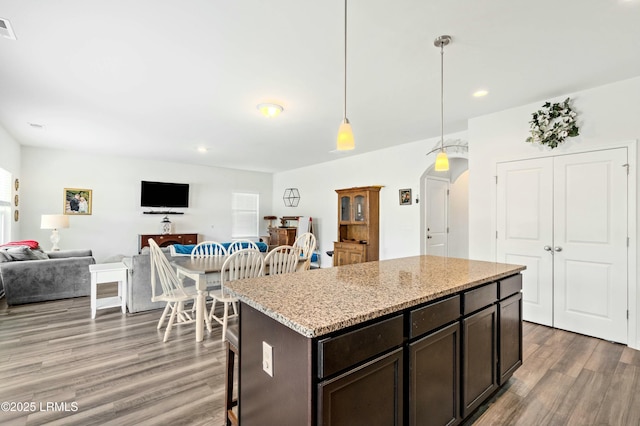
<point x="5" y="206"/>
<point x="244" y="215"/>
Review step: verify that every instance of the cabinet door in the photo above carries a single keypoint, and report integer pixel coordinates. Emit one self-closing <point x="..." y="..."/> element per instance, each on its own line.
<point x="369" y="395"/>
<point x="360" y="208"/>
<point x="357" y="256"/>
<point x="510" y="341"/>
<point x="479" y="344"/>
<point x="340" y="257"/>
<point x="434" y="381"/>
<point x="345" y="209"/>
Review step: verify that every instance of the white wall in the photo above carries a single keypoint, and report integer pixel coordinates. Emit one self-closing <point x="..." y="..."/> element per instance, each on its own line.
<point x="10" y="161"/>
<point x="117" y="217"/>
<point x="396" y="168"/>
<point x="608" y="115"/>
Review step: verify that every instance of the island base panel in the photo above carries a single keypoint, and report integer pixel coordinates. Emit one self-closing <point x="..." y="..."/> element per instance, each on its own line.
<point x="285" y="398"/>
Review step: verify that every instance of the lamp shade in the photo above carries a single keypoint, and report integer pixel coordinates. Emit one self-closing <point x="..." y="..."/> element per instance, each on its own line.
<point x="442" y="162"/>
<point x="54" y="221"/>
<point x="345" y="137"/>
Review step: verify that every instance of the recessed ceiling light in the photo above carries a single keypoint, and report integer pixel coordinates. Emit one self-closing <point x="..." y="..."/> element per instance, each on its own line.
<point x="36" y="126"/>
<point x="480" y="93"/>
<point x="202" y="149"/>
<point x="270" y="110"/>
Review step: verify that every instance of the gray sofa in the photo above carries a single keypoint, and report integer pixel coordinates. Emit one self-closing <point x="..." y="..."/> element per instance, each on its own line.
<point x="62" y="275"/>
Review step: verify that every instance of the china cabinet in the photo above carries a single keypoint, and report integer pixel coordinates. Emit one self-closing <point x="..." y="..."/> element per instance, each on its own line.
<point x="358" y="225"/>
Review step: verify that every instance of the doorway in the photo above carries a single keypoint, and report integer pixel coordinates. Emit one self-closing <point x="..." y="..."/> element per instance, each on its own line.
<point x="444" y="221"/>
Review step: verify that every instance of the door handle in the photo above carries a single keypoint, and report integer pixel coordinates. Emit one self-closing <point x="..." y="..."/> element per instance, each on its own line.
<point x="547" y="248"/>
<point x="557" y="248"/>
<point x="428" y="237"/>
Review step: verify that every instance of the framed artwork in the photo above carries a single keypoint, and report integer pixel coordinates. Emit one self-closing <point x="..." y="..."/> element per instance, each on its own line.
<point x="77" y="201"/>
<point x="405" y="197"/>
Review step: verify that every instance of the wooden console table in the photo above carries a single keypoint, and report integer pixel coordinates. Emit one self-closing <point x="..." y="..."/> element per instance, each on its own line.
<point x="164" y="240"/>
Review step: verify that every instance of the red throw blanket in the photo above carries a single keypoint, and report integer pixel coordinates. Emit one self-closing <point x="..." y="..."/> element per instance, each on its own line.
<point x="29" y="243"/>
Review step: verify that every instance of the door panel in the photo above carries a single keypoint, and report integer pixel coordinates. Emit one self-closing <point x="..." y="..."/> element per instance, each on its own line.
<point x="525" y="227"/>
<point x="437" y="214"/>
<point x="590" y="271"/>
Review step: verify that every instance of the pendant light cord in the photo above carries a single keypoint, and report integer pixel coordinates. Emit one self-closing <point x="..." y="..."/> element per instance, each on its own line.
<point x="442" y="97"/>
<point x="345" y="61"/>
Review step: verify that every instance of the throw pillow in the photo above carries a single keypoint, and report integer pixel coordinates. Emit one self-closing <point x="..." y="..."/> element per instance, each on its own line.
<point x="25" y="253"/>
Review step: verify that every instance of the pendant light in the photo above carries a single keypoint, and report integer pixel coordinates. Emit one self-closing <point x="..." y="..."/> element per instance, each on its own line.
<point x="442" y="162"/>
<point x="345" y="140"/>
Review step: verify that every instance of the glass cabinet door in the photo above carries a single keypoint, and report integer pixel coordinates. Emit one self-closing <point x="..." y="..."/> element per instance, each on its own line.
<point x="345" y="208"/>
<point x="359" y="208"/>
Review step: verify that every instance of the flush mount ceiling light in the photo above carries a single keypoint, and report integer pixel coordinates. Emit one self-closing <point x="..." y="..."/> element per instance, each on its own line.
<point x="345" y="140"/>
<point x="480" y="93"/>
<point x="202" y="149"/>
<point x="442" y="162"/>
<point x="270" y="110"/>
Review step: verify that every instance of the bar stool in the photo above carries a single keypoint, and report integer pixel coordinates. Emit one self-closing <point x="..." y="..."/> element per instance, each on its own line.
<point x="232" y="340"/>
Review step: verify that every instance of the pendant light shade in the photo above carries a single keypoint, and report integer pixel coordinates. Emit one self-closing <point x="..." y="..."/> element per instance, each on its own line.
<point x="345" y="136"/>
<point x="345" y="141"/>
<point x="442" y="161"/>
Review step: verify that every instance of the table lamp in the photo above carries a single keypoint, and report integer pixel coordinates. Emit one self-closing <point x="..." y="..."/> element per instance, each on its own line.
<point x="54" y="222"/>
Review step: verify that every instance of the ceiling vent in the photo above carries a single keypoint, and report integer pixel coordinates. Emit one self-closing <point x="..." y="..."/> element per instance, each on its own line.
<point x="5" y="29"/>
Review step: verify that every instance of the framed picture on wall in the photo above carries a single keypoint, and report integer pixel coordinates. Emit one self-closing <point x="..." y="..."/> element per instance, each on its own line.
<point x="77" y="201"/>
<point x="405" y="197"/>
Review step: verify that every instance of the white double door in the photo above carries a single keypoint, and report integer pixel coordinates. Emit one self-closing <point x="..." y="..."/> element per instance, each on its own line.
<point x="565" y="218"/>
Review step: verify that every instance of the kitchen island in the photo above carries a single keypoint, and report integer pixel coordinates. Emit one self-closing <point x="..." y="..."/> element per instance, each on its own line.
<point x="418" y="340"/>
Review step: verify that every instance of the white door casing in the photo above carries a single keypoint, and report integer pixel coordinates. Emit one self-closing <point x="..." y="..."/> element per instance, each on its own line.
<point x="565" y="218"/>
<point x="436" y="211"/>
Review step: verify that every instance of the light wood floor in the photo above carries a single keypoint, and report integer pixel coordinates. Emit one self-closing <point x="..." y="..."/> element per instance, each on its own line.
<point x="118" y="372"/>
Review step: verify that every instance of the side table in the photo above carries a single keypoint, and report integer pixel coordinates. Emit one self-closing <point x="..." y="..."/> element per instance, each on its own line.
<point x="107" y="273"/>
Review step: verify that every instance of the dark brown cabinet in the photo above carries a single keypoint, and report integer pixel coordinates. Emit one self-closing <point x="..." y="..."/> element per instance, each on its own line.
<point x="282" y="236"/>
<point x="434" y="378"/>
<point x="510" y="327"/>
<point x="432" y="364"/>
<point x="358" y="225"/>
<point x="479" y="358"/>
<point x="165" y="240"/>
<point x="368" y="395"/>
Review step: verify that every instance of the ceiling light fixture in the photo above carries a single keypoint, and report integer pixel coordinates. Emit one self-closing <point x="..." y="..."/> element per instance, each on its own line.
<point x="442" y="162"/>
<point x="480" y="93"/>
<point x="270" y="110"/>
<point x="345" y="140"/>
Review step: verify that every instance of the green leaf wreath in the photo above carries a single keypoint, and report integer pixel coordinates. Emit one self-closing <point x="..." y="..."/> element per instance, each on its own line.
<point x="553" y="124"/>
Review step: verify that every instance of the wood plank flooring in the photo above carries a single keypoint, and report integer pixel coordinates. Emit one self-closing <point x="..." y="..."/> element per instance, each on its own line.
<point x="118" y="372"/>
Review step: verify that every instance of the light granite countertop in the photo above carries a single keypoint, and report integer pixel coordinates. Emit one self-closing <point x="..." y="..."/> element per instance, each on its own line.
<point x="321" y="301"/>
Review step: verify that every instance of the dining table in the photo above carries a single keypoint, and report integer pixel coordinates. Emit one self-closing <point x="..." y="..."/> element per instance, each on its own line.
<point x="197" y="269"/>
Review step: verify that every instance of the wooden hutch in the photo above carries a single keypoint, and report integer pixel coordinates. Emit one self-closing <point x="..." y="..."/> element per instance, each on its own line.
<point x="358" y="225"/>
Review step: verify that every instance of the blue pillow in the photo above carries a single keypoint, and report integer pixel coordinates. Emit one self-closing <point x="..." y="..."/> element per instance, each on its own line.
<point x="183" y="249"/>
<point x="263" y="247"/>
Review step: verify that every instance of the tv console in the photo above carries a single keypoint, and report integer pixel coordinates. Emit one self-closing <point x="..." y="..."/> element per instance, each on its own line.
<point x="165" y="240"/>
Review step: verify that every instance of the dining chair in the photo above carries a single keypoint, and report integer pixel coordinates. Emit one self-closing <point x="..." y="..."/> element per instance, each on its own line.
<point x="245" y="263"/>
<point x="282" y="260"/>
<point x="307" y="244"/>
<point x="173" y="292"/>
<point x="241" y="245"/>
<point x="208" y="248"/>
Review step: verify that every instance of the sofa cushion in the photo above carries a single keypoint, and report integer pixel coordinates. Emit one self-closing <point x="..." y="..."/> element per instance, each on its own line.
<point x="24" y="253"/>
<point x="63" y="254"/>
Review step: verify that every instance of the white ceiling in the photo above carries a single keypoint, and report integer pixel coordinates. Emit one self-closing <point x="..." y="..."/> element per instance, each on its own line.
<point x="159" y="78"/>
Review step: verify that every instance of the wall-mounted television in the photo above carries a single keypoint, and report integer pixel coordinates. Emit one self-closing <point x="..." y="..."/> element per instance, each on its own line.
<point x="164" y="194"/>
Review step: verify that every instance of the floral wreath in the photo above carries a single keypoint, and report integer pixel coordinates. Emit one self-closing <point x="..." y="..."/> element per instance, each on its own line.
<point x="553" y="124"/>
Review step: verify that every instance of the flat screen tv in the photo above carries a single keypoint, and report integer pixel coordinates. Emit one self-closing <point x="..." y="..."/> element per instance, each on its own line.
<point x="164" y="194"/>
